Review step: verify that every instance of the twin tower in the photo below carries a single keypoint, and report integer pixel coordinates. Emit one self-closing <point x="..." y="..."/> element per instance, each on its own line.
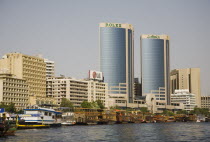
<point x="117" y="60"/>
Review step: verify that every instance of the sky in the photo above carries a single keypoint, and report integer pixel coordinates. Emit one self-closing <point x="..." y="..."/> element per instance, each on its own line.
<point x="67" y="31"/>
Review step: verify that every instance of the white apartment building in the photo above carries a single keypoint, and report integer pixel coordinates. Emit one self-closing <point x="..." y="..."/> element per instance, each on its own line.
<point x="76" y="90"/>
<point x="50" y="68"/>
<point x="185" y="97"/>
<point x="14" y="90"/>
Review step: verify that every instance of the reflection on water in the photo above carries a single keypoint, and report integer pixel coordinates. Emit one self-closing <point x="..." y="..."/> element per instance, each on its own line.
<point x="117" y="133"/>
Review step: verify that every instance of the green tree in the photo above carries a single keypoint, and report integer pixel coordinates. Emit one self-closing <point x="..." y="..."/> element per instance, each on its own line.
<point x="86" y="104"/>
<point x="144" y="109"/>
<point x="66" y="103"/>
<point x="168" y="113"/>
<point x="115" y="107"/>
<point x="181" y="112"/>
<point x="202" y="111"/>
<point x="94" y="104"/>
<point x="20" y="112"/>
<point x="100" y="104"/>
<point x="11" y="108"/>
<point x="8" y="108"/>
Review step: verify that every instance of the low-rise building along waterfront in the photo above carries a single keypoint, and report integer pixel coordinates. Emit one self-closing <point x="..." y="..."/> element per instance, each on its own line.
<point x="156" y="102"/>
<point x="76" y="90"/>
<point x="185" y="97"/>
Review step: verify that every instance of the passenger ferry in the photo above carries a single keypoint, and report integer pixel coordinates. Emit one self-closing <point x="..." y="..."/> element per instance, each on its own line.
<point x="39" y="117"/>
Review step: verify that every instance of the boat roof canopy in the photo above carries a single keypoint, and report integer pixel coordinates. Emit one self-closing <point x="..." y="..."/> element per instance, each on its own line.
<point x="43" y="110"/>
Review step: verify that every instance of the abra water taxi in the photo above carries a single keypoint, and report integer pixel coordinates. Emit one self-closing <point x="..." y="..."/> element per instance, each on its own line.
<point x="39" y="117"/>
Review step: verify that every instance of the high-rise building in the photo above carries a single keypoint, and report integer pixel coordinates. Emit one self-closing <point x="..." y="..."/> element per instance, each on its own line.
<point x="116" y="57"/>
<point x="188" y="78"/>
<point x="137" y="88"/>
<point x="155" y="64"/>
<point x="30" y="68"/>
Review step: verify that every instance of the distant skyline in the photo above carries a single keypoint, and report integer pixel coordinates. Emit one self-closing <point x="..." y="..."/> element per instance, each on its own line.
<point x="67" y="31"/>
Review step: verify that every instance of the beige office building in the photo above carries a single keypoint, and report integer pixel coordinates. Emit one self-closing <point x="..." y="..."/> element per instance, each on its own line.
<point x="205" y="102"/>
<point x="76" y="90"/>
<point x="30" y="68"/>
<point x="188" y="78"/>
<point x="13" y="90"/>
<point x="97" y="91"/>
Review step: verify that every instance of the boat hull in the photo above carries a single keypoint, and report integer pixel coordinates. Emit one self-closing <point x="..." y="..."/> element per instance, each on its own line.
<point x="37" y="126"/>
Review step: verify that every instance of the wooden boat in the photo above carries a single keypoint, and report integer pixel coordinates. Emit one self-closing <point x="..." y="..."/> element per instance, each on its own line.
<point x="170" y="119"/>
<point x="86" y="116"/>
<point x="107" y="117"/>
<point x="180" y="117"/>
<point x="159" y="118"/>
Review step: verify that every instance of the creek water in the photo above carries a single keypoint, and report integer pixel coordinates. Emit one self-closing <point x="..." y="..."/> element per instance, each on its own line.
<point x="144" y="132"/>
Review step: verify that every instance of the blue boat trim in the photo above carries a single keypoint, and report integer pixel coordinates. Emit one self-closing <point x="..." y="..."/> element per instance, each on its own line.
<point x="43" y="110"/>
<point x="40" y="120"/>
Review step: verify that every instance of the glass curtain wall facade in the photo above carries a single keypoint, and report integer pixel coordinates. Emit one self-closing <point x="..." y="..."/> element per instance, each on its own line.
<point x="155" y="64"/>
<point x="116" y="56"/>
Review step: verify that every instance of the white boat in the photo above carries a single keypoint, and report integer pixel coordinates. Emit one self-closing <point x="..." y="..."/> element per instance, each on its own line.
<point x="40" y="115"/>
<point x="198" y="120"/>
<point x="68" y="119"/>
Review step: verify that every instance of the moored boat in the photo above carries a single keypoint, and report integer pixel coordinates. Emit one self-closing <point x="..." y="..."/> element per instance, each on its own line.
<point x="31" y="126"/>
<point x="159" y="118"/>
<point x="170" y="119"/>
<point x="38" y="117"/>
<point x="68" y="119"/>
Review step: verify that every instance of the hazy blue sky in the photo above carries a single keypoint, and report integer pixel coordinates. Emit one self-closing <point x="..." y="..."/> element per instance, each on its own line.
<point x="66" y="31"/>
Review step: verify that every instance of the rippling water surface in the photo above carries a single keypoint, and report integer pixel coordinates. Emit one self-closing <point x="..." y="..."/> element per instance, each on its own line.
<point x="117" y="133"/>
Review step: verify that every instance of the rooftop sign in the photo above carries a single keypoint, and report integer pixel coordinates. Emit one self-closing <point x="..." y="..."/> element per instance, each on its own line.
<point x="153" y="36"/>
<point x="95" y="75"/>
<point x="113" y="25"/>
